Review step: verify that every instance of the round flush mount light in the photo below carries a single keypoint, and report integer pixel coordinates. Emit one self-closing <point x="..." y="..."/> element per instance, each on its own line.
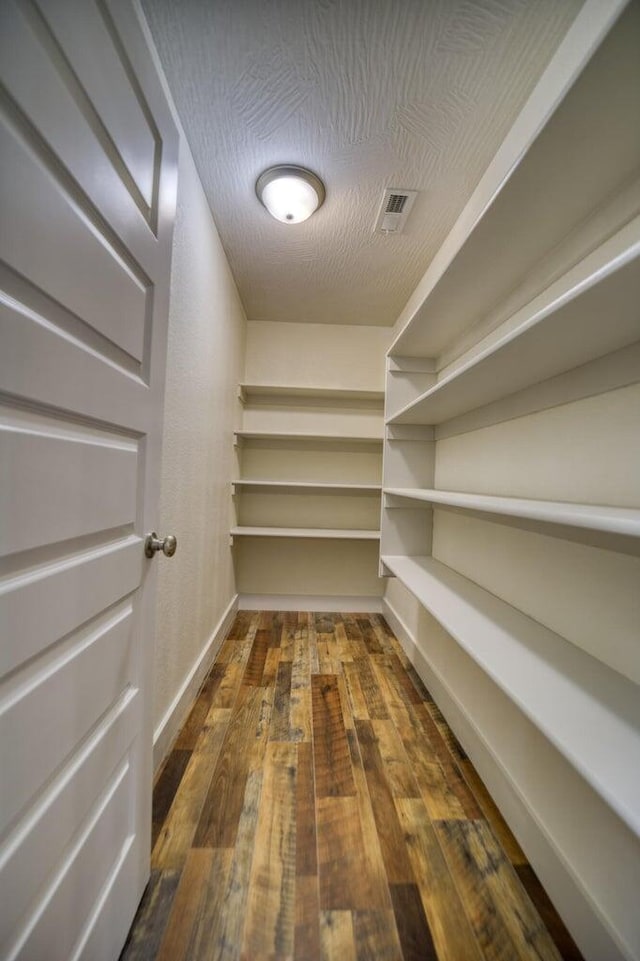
<point x="290" y="194"/>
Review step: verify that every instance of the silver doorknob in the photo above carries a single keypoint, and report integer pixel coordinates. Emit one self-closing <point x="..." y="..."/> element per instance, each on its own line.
<point x="153" y="544"/>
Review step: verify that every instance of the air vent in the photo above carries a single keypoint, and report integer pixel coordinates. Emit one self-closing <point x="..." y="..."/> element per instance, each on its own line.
<point x="394" y="210"/>
<point x="395" y="203"/>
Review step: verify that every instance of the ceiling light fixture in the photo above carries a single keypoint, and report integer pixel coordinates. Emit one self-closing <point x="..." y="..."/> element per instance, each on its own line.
<point x="290" y="194"/>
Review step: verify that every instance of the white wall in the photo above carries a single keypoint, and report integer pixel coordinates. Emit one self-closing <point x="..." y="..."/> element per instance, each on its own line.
<point x="585" y="451"/>
<point x="318" y="355"/>
<point x="205" y="357"/>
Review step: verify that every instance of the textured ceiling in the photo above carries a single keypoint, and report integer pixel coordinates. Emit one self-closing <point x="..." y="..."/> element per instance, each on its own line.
<point x="370" y="94"/>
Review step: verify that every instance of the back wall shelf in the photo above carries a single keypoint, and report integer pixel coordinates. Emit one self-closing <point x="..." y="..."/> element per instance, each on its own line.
<point x="310" y="469"/>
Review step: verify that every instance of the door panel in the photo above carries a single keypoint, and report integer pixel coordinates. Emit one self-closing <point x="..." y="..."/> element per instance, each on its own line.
<point x="85" y="34"/>
<point x="90" y="487"/>
<point x="91" y="482"/>
<point x="97" y="853"/>
<point x="88" y="151"/>
<point x="73" y="588"/>
<point x="64" y="806"/>
<point x="85" y="678"/>
<point x="77" y="138"/>
<point x="52" y="358"/>
<point x="66" y="245"/>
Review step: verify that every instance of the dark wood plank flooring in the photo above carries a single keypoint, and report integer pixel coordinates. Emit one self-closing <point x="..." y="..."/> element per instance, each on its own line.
<point x="317" y="806"/>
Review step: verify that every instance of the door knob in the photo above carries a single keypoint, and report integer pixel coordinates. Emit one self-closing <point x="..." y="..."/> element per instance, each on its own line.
<point x="153" y="544"/>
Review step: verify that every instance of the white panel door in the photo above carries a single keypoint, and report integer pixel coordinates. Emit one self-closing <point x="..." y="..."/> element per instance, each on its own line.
<point x="88" y="167"/>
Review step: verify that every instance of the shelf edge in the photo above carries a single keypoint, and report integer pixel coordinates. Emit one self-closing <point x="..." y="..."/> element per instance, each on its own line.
<point x="598" y="517"/>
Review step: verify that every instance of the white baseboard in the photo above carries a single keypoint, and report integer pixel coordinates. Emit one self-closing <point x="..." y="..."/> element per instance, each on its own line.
<point x="173" y="719"/>
<point x="309" y="602"/>
<point x="577" y="909"/>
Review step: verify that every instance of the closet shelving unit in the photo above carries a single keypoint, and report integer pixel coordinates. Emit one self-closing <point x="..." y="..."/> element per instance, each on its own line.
<point x="311" y="533"/>
<point x="597" y="518"/>
<point x="560" y="329"/>
<point x="301" y="429"/>
<point x="248" y="392"/>
<point x="550" y="681"/>
<point x="307" y="437"/>
<point x="537" y="284"/>
<point x="248" y="484"/>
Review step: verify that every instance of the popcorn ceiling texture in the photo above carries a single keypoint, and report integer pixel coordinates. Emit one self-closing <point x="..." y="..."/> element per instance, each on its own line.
<point x="413" y="94"/>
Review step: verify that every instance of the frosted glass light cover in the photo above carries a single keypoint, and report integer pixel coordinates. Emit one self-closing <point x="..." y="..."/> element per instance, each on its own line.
<point x="290" y="194"/>
<point x="290" y="200"/>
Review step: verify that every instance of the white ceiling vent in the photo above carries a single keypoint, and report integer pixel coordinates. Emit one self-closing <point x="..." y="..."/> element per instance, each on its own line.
<point x="394" y="210"/>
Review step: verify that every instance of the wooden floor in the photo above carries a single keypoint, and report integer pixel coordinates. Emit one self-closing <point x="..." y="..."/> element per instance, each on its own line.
<point x="317" y="806"/>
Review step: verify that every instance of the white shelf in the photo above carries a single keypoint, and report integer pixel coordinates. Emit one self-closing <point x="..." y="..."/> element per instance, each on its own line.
<point x="314" y="533"/>
<point x="573" y="146"/>
<point x="307" y="438"/>
<point x="611" y="520"/>
<point x="320" y="393"/>
<point x="306" y="486"/>
<point x="591" y="311"/>
<point x="588" y="711"/>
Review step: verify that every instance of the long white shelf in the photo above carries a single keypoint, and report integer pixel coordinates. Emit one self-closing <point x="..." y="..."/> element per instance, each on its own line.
<point x="590" y="311"/>
<point x="306" y="437"/>
<point x="588" y="711"/>
<point x="306" y="486"/>
<point x="248" y="391"/>
<point x="595" y="517"/>
<point x="543" y="181"/>
<point x="315" y="533"/>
